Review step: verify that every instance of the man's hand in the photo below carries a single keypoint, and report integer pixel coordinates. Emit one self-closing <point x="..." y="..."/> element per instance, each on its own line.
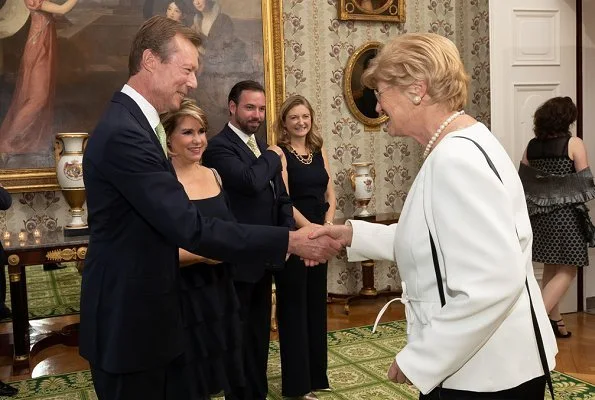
<point x="313" y="251"/>
<point x="341" y="233"/>
<point x="396" y="375"/>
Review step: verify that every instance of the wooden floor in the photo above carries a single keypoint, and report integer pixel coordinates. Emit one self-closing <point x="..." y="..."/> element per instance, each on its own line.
<point x="576" y="356"/>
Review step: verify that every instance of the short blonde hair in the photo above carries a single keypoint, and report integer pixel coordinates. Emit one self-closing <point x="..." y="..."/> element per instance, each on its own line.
<point x="422" y="57"/>
<point x="188" y="108"/>
<point x="313" y="138"/>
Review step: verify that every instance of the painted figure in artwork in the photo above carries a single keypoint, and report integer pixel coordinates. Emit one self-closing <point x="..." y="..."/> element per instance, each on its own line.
<point x="174" y="12"/>
<point x="28" y="126"/>
<point x="371" y="5"/>
<point x="224" y="60"/>
<point x="181" y="11"/>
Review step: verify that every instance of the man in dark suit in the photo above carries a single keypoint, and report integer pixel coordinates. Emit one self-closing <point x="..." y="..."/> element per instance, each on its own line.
<point x="251" y="174"/>
<point x="139" y="215"/>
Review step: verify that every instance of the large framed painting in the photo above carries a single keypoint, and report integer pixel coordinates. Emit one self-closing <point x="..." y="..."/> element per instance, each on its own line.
<point x="61" y="62"/>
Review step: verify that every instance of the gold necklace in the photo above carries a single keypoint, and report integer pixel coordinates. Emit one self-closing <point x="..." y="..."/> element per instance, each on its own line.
<point x="304" y="160"/>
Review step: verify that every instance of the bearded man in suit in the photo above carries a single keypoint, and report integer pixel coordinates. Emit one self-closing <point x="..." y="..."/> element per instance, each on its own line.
<point x="251" y="174"/>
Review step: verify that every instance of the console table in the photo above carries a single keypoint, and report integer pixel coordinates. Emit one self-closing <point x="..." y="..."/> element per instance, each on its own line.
<point x="368" y="291"/>
<point x="49" y="248"/>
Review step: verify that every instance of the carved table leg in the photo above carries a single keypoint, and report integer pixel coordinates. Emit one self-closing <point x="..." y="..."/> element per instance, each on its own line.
<point x="368" y="288"/>
<point x="20" y="314"/>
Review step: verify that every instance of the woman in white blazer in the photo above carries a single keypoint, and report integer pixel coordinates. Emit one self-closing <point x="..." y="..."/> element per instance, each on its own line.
<point x="482" y="342"/>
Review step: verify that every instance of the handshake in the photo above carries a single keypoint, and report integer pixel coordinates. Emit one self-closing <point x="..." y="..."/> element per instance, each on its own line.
<point x="317" y="244"/>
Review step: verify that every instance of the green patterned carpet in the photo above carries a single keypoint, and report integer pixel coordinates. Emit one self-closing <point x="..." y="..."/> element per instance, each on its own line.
<point x="358" y="361"/>
<point x="51" y="293"/>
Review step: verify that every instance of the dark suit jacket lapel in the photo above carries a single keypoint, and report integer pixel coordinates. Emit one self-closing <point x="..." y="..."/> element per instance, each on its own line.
<point x="234" y="138"/>
<point x="136" y="112"/>
<point x="261" y="145"/>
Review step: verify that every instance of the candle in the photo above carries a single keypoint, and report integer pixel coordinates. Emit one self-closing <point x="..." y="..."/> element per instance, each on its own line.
<point x="6" y="235"/>
<point x="22" y="236"/>
<point x="7" y="243"/>
<point x="36" y="233"/>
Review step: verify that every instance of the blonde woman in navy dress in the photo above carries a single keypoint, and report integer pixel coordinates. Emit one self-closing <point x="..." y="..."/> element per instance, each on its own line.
<point x="301" y="293"/>
<point x="210" y="305"/>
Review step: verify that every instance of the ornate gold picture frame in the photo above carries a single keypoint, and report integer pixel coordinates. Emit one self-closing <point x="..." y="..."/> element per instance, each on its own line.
<point x="361" y="101"/>
<point x="372" y="10"/>
<point x="30" y="178"/>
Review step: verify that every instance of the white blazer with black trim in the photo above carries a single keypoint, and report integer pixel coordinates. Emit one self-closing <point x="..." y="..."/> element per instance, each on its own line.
<point x="483" y="339"/>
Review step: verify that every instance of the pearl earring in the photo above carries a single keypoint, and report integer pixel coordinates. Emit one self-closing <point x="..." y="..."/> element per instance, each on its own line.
<point x="416" y="100"/>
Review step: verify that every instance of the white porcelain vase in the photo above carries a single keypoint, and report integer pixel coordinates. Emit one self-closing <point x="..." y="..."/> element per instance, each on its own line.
<point x="362" y="182"/>
<point x="69" y="171"/>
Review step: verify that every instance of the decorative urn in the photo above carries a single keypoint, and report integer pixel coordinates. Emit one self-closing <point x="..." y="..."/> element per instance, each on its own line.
<point x="362" y="181"/>
<point x="69" y="171"/>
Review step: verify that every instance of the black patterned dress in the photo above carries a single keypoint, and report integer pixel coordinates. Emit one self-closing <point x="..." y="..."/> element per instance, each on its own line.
<point x="210" y="311"/>
<point x="301" y="291"/>
<point x="558" y="236"/>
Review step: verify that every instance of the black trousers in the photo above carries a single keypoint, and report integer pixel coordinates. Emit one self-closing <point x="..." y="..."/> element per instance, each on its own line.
<point x="530" y="390"/>
<point x="301" y="313"/>
<point x="170" y="382"/>
<point x="255" y="313"/>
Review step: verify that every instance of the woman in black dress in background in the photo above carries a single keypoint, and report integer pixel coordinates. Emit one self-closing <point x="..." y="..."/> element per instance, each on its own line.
<point x="301" y="293"/>
<point x="210" y="307"/>
<point x="557" y="181"/>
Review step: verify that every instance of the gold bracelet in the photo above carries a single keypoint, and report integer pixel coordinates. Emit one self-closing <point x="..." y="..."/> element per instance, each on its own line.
<point x="328" y="222"/>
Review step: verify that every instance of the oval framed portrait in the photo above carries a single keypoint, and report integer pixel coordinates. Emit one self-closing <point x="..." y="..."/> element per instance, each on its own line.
<point x="361" y="100"/>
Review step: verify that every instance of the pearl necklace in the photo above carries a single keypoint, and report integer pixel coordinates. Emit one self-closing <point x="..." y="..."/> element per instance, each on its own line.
<point x="439" y="131"/>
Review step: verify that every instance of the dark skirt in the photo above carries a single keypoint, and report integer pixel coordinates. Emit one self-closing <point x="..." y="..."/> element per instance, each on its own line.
<point x="558" y="237"/>
<point x="211" y="317"/>
<point x="533" y="389"/>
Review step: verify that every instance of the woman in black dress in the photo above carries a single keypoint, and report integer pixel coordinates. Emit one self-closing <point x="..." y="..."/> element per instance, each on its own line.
<point x="210" y="307"/>
<point x="557" y="182"/>
<point x="301" y="291"/>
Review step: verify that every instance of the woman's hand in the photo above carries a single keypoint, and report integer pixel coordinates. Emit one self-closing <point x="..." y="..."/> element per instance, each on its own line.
<point x="396" y="375"/>
<point x="187" y="259"/>
<point x="342" y="233"/>
<point x="211" y="261"/>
